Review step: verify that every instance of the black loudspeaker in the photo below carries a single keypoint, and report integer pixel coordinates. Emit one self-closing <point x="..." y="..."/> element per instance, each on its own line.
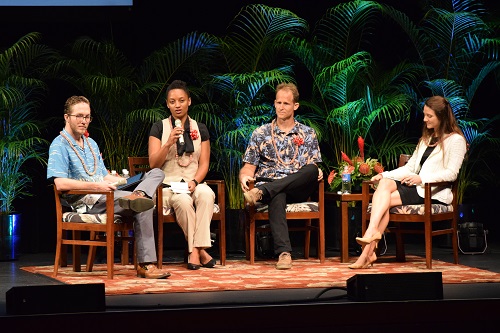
<point x="472" y="238"/>
<point x="395" y="286"/>
<point x="66" y="298"/>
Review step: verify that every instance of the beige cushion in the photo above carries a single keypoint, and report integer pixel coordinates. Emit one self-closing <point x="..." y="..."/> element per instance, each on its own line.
<point x="88" y="218"/>
<point x="294" y="207"/>
<point x="101" y="218"/>
<point x="417" y="209"/>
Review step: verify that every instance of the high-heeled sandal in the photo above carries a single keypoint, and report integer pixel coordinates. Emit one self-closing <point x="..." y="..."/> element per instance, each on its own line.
<point x="365" y="241"/>
<point x="367" y="264"/>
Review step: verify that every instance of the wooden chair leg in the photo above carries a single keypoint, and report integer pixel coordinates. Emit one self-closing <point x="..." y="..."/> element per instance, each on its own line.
<point x="222" y="242"/>
<point x="63" y="261"/>
<point x="400" y="248"/>
<point x="125" y="254"/>
<point x="247" y="239"/>
<point x="321" y="241"/>
<point x="428" y="245"/>
<point x="77" y="251"/>
<point x="307" y="239"/>
<point x="110" y="256"/>
<point x="92" y="252"/>
<point x="58" y="258"/>
<point x="159" y="253"/>
<point x="251" y="234"/>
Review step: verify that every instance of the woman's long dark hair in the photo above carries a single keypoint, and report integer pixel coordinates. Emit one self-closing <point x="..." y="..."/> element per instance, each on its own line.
<point x="448" y="123"/>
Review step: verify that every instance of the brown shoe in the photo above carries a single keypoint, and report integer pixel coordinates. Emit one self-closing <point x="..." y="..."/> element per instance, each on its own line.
<point x="150" y="271"/>
<point x="253" y="196"/>
<point x="136" y="202"/>
<point x="284" y="261"/>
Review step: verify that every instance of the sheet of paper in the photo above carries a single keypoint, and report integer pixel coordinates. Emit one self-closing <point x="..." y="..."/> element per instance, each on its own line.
<point x="179" y="187"/>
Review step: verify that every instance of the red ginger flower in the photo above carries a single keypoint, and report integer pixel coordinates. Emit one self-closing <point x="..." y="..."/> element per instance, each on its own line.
<point x="346" y="158"/>
<point x="331" y="176"/>
<point x="361" y="146"/>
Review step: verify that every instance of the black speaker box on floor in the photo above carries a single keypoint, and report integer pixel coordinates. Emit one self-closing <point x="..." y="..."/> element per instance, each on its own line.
<point x="67" y="298"/>
<point x="395" y="286"/>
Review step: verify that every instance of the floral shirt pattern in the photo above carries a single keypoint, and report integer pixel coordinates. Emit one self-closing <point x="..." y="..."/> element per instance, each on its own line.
<point x="261" y="152"/>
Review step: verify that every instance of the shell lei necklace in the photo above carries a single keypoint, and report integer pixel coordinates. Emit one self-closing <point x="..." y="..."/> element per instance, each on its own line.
<point x="177" y="158"/>
<point x="79" y="157"/>
<point x="297" y="143"/>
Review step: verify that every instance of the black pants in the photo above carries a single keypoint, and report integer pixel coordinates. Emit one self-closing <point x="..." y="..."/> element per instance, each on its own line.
<point x="297" y="187"/>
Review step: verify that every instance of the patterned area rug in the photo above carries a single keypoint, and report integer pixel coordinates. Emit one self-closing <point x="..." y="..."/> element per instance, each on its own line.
<point x="239" y="275"/>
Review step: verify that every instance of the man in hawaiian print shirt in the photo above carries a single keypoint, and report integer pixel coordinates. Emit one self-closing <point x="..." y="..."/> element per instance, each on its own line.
<point x="282" y="158"/>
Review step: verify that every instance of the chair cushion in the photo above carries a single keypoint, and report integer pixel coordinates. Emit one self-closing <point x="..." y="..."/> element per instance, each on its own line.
<point x="417" y="209"/>
<point x="88" y="218"/>
<point x="167" y="210"/>
<point x="291" y="208"/>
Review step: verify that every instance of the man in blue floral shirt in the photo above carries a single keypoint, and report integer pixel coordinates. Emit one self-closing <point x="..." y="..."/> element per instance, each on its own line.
<point x="75" y="163"/>
<point x="282" y="158"/>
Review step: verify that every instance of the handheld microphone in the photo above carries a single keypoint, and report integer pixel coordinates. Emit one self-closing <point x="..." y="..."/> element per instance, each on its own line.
<point x="179" y="124"/>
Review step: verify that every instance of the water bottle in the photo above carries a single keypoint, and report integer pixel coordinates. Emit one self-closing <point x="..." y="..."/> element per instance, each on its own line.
<point x="125" y="173"/>
<point x="346" y="181"/>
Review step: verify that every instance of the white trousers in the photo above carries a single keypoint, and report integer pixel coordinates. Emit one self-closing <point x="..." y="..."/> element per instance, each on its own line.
<point x="193" y="213"/>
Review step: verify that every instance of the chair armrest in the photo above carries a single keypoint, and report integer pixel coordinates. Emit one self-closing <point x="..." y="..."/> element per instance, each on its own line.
<point x="220" y="193"/>
<point x="444" y="183"/>
<point x="428" y="191"/>
<point x="83" y="192"/>
<point x="110" y="205"/>
<point x="366" y="186"/>
<point x="366" y="196"/>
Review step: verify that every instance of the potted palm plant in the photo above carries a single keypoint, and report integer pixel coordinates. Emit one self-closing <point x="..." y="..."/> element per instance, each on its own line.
<point x="20" y="139"/>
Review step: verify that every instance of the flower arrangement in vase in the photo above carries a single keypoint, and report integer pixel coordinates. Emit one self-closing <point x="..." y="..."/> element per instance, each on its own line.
<point x="359" y="168"/>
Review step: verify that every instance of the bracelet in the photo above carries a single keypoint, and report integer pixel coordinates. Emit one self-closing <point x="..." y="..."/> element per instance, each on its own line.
<point x="195" y="181"/>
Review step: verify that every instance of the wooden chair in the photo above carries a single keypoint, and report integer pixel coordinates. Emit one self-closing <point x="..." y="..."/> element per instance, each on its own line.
<point x="436" y="219"/>
<point x="100" y="233"/>
<point x="313" y="210"/>
<point x="166" y="214"/>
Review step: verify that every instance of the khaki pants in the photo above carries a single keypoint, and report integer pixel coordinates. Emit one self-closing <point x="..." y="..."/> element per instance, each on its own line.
<point x="193" y="213"/>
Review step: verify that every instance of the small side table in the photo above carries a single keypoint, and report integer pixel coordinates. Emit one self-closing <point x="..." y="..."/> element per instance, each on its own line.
<point x="344" y="225"/>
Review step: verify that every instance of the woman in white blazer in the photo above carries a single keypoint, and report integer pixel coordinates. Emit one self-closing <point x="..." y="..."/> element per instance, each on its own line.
<point x="438" y="157"/>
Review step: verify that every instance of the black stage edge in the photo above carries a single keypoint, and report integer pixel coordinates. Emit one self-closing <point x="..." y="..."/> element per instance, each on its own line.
<point x="395" y="286"/>
<point x="389" y="316"/>
<point x="70" y="298"/>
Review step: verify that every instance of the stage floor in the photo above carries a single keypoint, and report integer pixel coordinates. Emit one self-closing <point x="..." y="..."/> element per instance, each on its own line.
<point x="12" y="276"/>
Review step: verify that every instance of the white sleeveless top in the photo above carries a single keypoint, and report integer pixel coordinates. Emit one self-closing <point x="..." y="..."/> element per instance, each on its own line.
<point x="174" y="172"/>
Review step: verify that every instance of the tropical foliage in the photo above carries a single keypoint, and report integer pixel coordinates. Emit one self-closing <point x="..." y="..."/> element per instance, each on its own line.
<point x="351" y="90"/>
<point x="21" y="91"/>
<point x="455" y="46"/>
<point x="255" y="50"/>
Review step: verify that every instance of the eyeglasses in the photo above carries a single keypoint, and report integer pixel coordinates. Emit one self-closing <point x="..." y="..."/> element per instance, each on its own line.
<point x="80" y="117"/>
